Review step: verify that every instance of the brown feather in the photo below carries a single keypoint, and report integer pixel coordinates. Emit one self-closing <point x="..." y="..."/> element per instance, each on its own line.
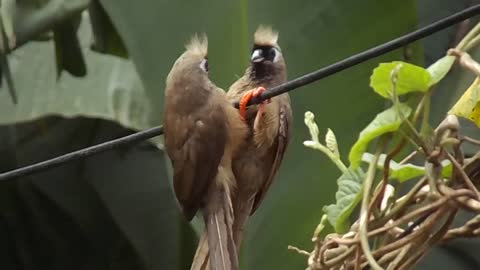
<point x="200" y="261"/>
<point x="202" y="133"/>
<point x="256" y="166"/>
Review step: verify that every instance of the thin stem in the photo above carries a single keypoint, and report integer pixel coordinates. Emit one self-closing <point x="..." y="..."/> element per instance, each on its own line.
<point x="340" y="258"/>
<point x="471" y="140"/>
<point x="396" y="102"/>
<point x="408" y="157"/>
<point x="422" y="104"/>
<point x="426" y="113"/>
<point x="406" y="240"/>
<point x="299" y="251"/>
<point x="389" y="256"/>
<point x="357" y="259"/>
<point x="466" y="179"/>
<point x="416" y="137"/>
<point x="472" y="44"/>
<point x="403" y="202"/>
<point x="400" y="257"/>
<point x="431" y="240"/>
<point x="468" y="37"/>
<point x="386" y="171"/>
<point x="404" y="219"/>
<point x="319" y="228"/>
<point x="470" y="229"/>
<point x="364" y="214"/>
<point x="432" y="175"/>
<point x="330" y="154"/>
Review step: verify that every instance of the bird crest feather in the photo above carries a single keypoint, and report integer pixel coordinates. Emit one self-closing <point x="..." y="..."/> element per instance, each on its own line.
<point x="265" y="36"/>
<point x="198" y="44"/>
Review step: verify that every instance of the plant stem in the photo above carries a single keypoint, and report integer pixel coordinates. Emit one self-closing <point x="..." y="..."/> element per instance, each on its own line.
<point x="472" y="44"/>
<point x="364" y="214"/>
<point x="396" y="102"/>
<point x="401" y="204"/>
<point x="466" y="179"/>
<point x="330" y="154"/>
<point x="471" y="140"/>
<point x="468" y="37"/>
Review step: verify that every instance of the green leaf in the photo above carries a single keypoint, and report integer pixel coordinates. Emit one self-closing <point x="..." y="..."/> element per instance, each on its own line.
<point x="112" y="90"/>
<point x="404" y="172"/>
<point x="116" y="208"/>
<point x="7" y="13"/>
<point x="385" y="122"/>
<point x="5" y="72"/>
<point x="410" y="78"/>
<point x="68" y="52"/>
<point x="440" y="68"/>
<point x="106" y="37"/>
<point x="347" y="197"/>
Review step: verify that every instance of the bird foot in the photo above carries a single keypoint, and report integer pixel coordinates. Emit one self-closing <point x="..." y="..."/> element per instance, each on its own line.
<point x="261" y="107"/>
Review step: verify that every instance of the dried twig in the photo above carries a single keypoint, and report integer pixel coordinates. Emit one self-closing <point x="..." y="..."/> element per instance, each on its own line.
<point x="466" y="179"/>
<point x="470" y="229"/>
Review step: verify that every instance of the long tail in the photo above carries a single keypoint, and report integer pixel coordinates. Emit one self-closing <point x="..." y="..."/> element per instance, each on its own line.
<point x="242" y="214"/>
<point x="200" y="261"/>
<point x="217" y="250"/>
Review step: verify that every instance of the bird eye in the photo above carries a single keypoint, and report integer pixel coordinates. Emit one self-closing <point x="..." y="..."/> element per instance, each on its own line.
<point x="204" y="65"/>
<point x="274" y="54"/>
<point x="271" y="53"/>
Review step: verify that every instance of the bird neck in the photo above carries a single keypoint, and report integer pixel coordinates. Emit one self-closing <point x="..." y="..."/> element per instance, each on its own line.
<point x="266" y="74"/>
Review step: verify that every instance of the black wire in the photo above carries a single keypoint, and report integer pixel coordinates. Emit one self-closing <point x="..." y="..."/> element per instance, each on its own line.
<point x="82" y="153"/>
<point x="275" y="91"/>
<point x="368" y="54"/>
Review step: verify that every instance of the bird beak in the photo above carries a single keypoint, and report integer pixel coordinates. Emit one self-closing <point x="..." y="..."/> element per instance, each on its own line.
<point x="257" y="56"/>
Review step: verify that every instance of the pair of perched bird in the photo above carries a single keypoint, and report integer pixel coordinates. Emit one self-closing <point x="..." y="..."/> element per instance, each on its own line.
<point x="224" y="159"/>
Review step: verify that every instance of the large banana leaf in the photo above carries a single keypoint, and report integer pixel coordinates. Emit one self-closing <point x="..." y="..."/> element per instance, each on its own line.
<point x="84" y="215"/>
<point x="115" y="210"/>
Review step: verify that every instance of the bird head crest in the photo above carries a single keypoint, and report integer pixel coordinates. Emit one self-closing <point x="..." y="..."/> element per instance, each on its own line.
<point x="265" y="36"/>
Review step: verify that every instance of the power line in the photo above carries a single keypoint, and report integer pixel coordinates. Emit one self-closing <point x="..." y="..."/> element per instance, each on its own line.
<point x="275" y="91"/>
<point x="368" y="54"/>
<point x="82" y="153"/>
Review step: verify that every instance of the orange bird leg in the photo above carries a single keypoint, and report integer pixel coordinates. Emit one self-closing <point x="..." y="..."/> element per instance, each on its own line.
<point x="261" y="107"/>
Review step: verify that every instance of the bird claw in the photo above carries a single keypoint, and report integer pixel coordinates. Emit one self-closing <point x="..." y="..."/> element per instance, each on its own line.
<point x="247" y="97"/>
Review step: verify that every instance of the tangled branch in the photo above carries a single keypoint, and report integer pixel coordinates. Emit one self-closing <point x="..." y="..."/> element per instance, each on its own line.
<point x="395" y="230"/>
<point x="402" y="235"/>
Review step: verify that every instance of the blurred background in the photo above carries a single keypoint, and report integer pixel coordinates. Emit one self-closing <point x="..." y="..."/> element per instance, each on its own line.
<point x="86" y="72"/>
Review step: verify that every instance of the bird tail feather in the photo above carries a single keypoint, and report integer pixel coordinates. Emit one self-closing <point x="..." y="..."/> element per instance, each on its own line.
<point x="216" y="249"/>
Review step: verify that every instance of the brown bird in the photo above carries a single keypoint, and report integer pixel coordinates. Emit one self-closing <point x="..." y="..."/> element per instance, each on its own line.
<point x="202" y="132"/>
<point x="269" y="127"/>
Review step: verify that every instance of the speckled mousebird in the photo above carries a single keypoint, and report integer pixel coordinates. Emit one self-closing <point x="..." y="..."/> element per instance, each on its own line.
<point x="269" y="127"/>
<point x="202" y="133"/>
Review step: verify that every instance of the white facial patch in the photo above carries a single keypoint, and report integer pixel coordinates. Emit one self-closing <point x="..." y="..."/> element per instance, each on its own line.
<point x="204" y="65"/>
<point x="278" y="53"/>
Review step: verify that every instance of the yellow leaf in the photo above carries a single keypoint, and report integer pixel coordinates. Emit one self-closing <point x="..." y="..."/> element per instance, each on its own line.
<point x="468" y="105"/>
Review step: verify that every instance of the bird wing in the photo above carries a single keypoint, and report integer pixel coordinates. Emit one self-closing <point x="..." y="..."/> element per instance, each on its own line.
<point x="282" y="140"/>
<point x="196" y="146"/>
